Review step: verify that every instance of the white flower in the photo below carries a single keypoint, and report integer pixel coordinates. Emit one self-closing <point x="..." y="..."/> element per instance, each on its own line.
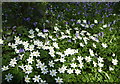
<point x="40" y="34"/>
<point x="100" y="64"/>
<point x="31" y="36"/>
<point x="99" y="70"/>
<point x="113" y="54"/>
<point x="38" y="61"/>
<point x="114" y="14"/>
<point x="1" y="41"/>
<point x="13" y="62"/>
<point x="53" y="73"/>
<point x="68" y="31"/>
<point x="59" y="53"/>
<point x="51" y="63"/>
<point x="91" y="52"/>
<point x="27" y="79"/>
<point x="55" y="45"/>
<point x="17" y="38"/>
<point x="25" y="44"/>
<point x="73" y="65"/>
<point x="36" y="42"/>
<point x="94" y="45"/>
<point x="35" y="53"/>
<point x="41" y="65"/>
<point x="21" y="56"/>
<point x="85" y="40"/>
<point x="80" y="65"/>
<point x="79" y="21"/>
<point x="70" y="71"/>
<point x="56" y="28"/>
<point x="22" y="67"/>
<point x="30" y="60"/>
<point x="88" y="34"/>
<point x="52" y="54"/>
<point x="28" y="69"/>
<point x="88" y="59"/>
<point x="37" y="29"/>
<point x="87" y="26"/>
<point x="84" y="21"/>
<point x="44" y="71"/>
<point x="95" y="21"/>
<point x="96" y="54"/>
<point x="18" y="42"/>
<point x="43" y="81"/>
<point x="80" y="59"/>
<point x="95" y="64"/>
<point x="62" y="69"/>
<point x="44" y="35"/>
<point x="36" y="78"/>
<point x="59" y="80"/>
<point x="67" y="52"/>
<point x="45" y="47"/>
<point x="111" y="69"/>
<point x="31" y="31"/>
<point x="4" y="68"/>
<point x="100" y="59"/>
<point x="77" y="31"/>
<point x="51" y="49"/>
<point x="26" y="48"/>
<point x="77" y="71"/>
<point x="9" y="44"/>
<point x="83" y="25"/>
<point x="82" y="32"/>
<point x="76" y="51"/>
<point x="56" y="60"/>
<point x="50" y="37"/>
<point x="114" y="61"/>
<point x="40" y="44"/>
<point x="48" y="43"/>
<point x="16" y="50"/>
<point x="95" y="35"/>
<point x="62" y="59"/>
<point x="31" y="47"/>
<point x="79" y="37"/>
<point x="8" y="77"/>
<point x="82" y="45"/>
<point x="13" y="45"/>
<point x="94" y="38"/>
<point x="104" y="26"/>
<point x="104" y="45"/>
<point x="70" y="51"/>
<point x="64" y="36"/>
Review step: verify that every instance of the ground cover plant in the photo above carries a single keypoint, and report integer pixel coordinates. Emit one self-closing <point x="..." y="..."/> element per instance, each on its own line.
<point x="71" y="42"/>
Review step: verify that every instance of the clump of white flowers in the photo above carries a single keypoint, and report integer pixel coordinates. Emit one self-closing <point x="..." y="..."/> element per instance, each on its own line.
<point x="57" y="55"/>
<point x="70" y="51"/>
